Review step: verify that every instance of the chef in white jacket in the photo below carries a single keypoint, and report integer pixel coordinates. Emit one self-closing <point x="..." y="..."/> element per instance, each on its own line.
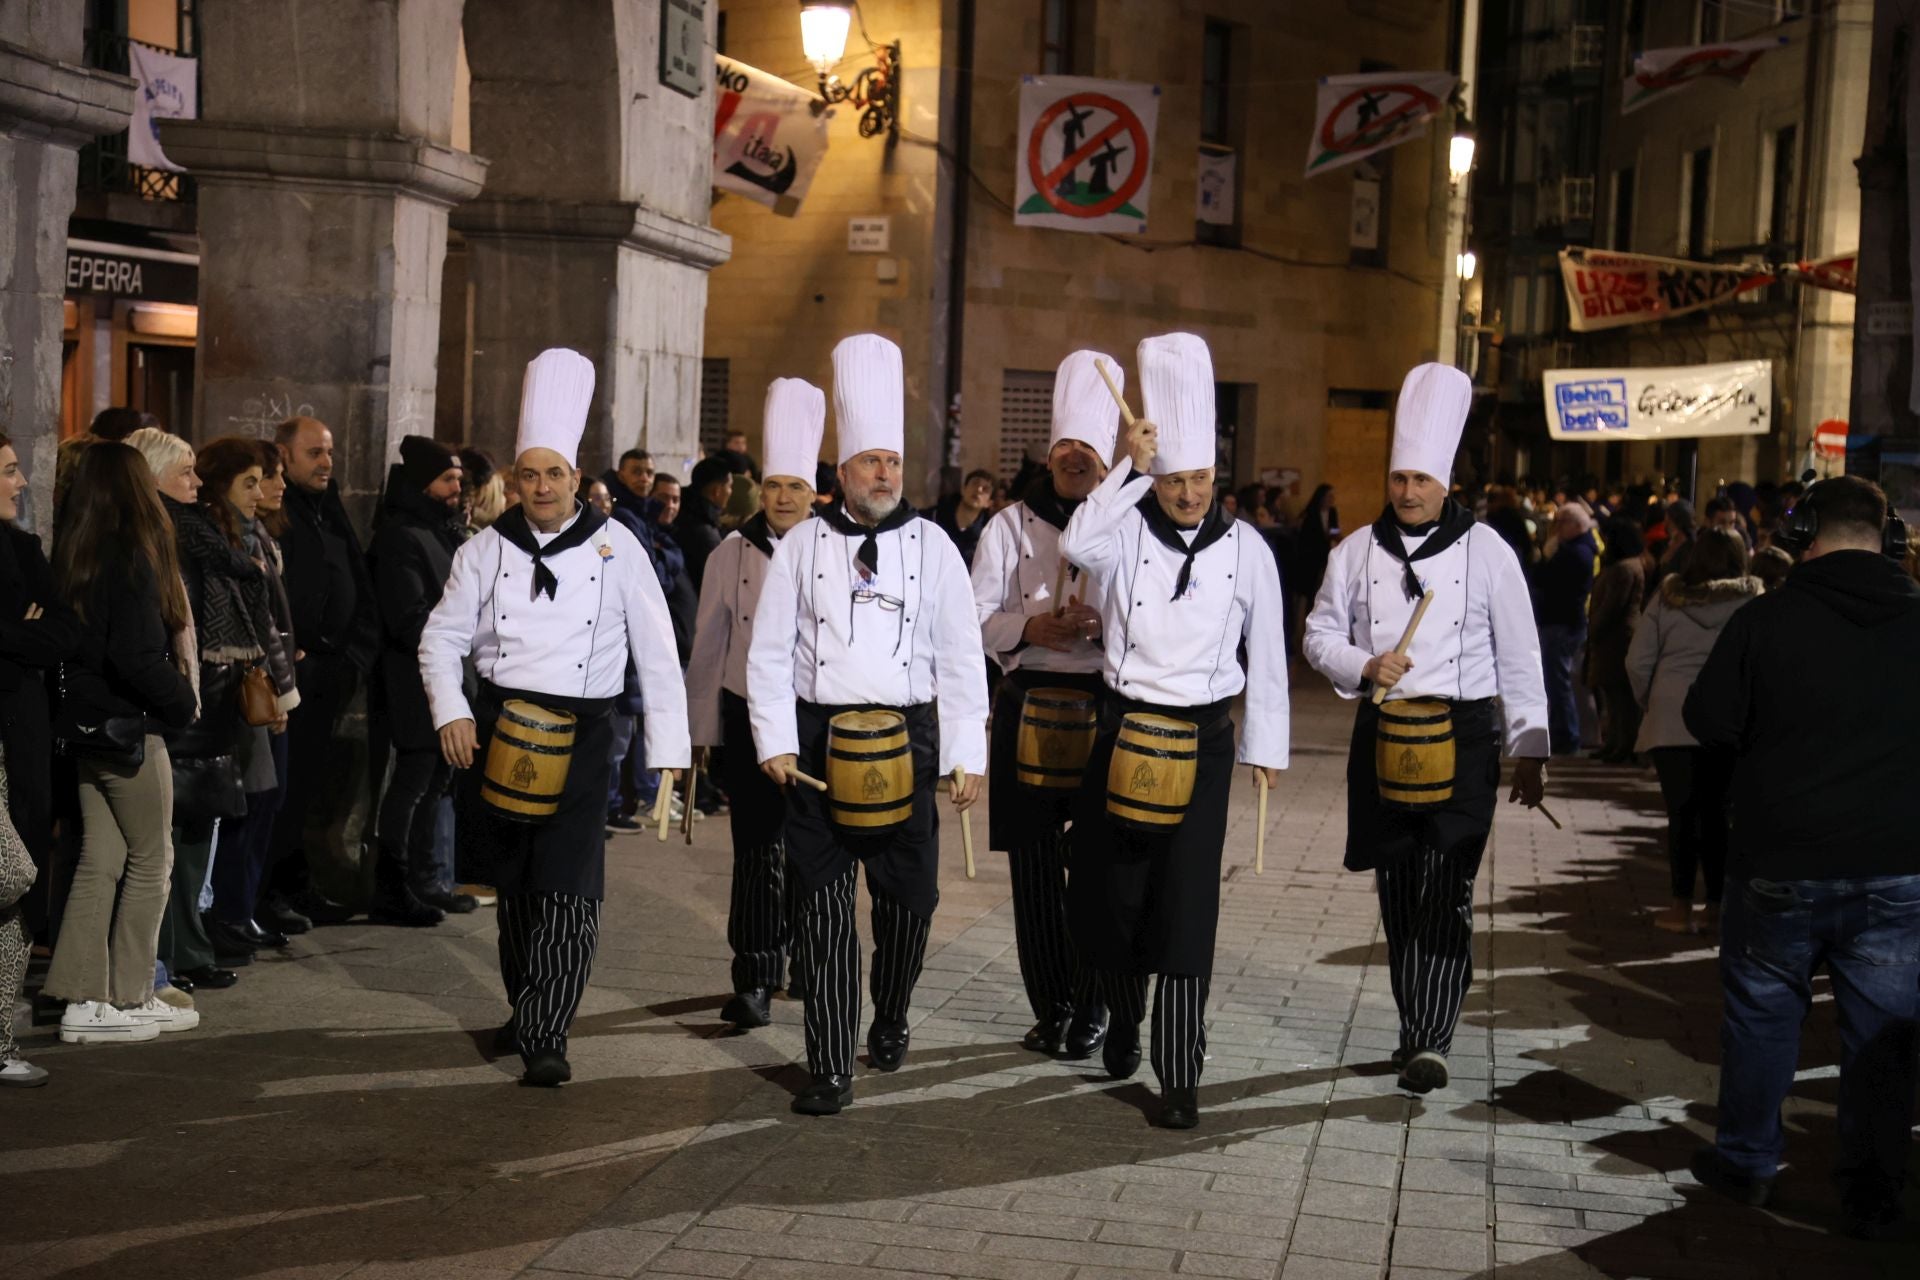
<point x="1476" y="645"/>
<point x="1184" y="587"/>
<point x="868" y="606"/>
<point x="1042" y="642"/>
<point x="759" y="913"/>
<point x="551" y="601"/>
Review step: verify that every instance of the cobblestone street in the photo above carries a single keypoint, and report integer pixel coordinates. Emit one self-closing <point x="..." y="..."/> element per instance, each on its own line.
<point x="336" y="1113"/>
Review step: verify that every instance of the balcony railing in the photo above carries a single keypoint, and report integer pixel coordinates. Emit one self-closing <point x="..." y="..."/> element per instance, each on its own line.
<point x="1563" y="201"/>
<point x="1576" y="50"/>
<point x="104" y="167"/>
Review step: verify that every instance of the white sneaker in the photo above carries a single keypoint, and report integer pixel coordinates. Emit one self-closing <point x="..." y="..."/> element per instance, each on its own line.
<point x="97" y="1022"/>
<point x="18" y="1073"/>
<point x="165" y="1016"/>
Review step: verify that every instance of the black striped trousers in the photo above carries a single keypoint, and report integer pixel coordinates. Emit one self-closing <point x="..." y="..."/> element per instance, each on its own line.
<point x="759" y="917"/>
<point x="829" y="948"/>
<point x="1057" y="983"/>
<point x="547" y="943"/>
<point x="1179" y="1032"/>
<point x="1426" y="906"/>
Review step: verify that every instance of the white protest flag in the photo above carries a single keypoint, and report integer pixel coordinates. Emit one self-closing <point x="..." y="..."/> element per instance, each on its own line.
<point x="1214" y="200"/>
<point x="168" y="91"/>
<point x="1083" y="158"/>
<point x="1606" y="290"/>
<point x="1359" y="115"/>
<point x="1597" y="405"/>
<point x="1661" y="73"/>
<point x="769" y="136"/>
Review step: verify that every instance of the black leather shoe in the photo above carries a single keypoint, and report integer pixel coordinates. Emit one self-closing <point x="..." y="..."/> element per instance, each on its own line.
<point x="887" y="1044"/>
<point x="1046" y="1035"/>
<point x="796" y="987"/>
<point x="1714" y="1173"/>
<point x="400" y="907"/>
<point x="748" y="1008"/>
<point x="277" y="913"/>
<point x="547" y="1069"/>
<point x="447" y="900"/>
<point x="230" y="942"/>
<point x="1121" y="1052"/>
<point x="1179" y="1108"/>
<point x="824" y="1097"/>
<point x="506" y="1040"/>
<point x="212" y="977"/>
<point x="272" y="939"/>
<point x="1087" y="1034"/>
<point x="319" y="908"/>
<point x="180" y="982"/>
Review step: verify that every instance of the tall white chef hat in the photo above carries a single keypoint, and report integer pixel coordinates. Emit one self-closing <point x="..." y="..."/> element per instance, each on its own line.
<point x="1083" y="408"/>
<point x="1176" y="392"/>
<point x="795" y="419"/>
<point x="1427" y="422"/>
<point x="554" y="399"/>
<point x="869" y="396"/>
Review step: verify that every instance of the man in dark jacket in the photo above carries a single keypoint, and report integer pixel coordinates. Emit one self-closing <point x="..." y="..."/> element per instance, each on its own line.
<point x="1817" y="689"/>
<point x="1560" y="587"/>
<point x="338" y="629"/>
<point x="697" y="528"/>
<point x="411" y="558"/>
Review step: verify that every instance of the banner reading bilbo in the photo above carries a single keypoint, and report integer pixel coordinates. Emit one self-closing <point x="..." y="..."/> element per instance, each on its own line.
<point x="1607" y="290"/>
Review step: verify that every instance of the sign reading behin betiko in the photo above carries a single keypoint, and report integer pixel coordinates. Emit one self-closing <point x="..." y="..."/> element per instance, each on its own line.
<point x="1084" y="159"/>
<point x="1597" y="405"/>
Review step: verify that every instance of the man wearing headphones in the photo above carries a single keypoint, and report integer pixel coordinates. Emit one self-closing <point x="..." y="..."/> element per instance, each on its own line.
<point x="1817" y="690"/>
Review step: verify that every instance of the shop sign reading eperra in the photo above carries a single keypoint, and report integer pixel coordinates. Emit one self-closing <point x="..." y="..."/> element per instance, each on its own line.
<point x="146" y="274"/>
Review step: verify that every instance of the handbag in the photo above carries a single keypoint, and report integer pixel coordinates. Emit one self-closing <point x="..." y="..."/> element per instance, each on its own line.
<point x="205" y="788"/>
<point x="120" y="741"/>
<point x="259" y="700"/>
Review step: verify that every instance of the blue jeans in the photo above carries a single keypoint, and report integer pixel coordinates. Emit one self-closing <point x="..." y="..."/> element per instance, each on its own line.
<point x="1559" y="651"/>
<point x="628" y="784"/>
<point x="1775" y="934"/>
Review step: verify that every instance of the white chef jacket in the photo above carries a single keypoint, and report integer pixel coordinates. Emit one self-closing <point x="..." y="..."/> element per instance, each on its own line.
<point x="723" y="630"/>
<point x="1014" y="569"/>
<point x="575" y="644"/>
<point x="1185" y="652"/>
<point x="812" y="642"/>
<point x="1477" y="640"/>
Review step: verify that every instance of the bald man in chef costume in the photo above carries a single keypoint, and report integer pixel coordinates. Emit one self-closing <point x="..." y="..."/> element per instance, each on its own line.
<point x="1477" y="650"/>
<point x="551" y="601"/>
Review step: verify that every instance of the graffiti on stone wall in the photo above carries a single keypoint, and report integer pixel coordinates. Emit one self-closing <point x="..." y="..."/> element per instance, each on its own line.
<point x="259" y="415"/>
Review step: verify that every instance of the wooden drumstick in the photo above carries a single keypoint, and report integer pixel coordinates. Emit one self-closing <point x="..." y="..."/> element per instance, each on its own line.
<point x="797" y="776"/>
<point x="663" y="802"/>
<point x="1260" y="832"/>
<point x="1548" y="814"/>
<point x="1060" y="587"/>
<point x="1406" y="641"/>
<point x="1126" y="414"/>
<point x="966" y="818"/>
<point x="686" y="817"/>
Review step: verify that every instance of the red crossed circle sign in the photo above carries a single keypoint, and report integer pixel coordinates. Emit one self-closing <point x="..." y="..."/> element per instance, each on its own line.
<point x="1045" y="180"/>
<point x="1415" y="104"/>
<point x="1733" y="64"/>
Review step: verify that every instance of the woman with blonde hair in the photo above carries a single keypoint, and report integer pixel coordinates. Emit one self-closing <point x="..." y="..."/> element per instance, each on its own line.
<point x="115" y="566"/>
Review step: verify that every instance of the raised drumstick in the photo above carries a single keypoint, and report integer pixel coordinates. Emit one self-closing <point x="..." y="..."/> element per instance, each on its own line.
<point x="1406" y="641"/>
<point x="813" y="782"/>
<point x="1126" y="414"/>
<point x="1260" y="832"/>
<point x="966" y="818"/>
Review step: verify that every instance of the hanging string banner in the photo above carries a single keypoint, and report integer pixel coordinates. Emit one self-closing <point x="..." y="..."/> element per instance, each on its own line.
<point x="1359" y="115"/>
<point x="1661" y="73"/>
<point x="769" y="136"/>
<point x="1609" y="290"/>
<point x="1594" y="405"/>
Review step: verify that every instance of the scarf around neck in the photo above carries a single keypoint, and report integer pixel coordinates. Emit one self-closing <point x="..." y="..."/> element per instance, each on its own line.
<point x="1213" y="527"/>
<point x="1454" y="523"/>
<point x="232" y="590"/>
<point x="1045" y="502"/>
<point x="514" y="527"/>
<point x="869" y="552"/>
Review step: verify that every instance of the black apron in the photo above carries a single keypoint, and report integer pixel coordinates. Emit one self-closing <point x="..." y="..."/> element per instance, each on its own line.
<point x="567" y="853"/>
<point x="1141" y="902"/>
<point x="1018" y="816"/>
<point x="757" y="810"/>
<point x="903" y="863"/>
<point x="1378" y="836"/>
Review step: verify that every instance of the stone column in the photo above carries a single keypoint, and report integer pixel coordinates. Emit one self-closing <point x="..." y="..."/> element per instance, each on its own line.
<point x="49" y="108"/>
<point x="325" y="172"/>
<point x="593" y="231"/>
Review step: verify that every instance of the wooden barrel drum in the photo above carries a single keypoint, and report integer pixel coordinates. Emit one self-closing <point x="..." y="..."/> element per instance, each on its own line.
<point x="1057" y="728"/>
<point x="527" y="761"/>
<point x="1413" y="755"/>
<point x="869" y="770"/>
<point x="1150" y="780"/>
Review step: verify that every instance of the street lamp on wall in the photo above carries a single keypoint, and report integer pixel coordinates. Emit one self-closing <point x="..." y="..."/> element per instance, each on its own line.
<point x="1460" y="150"/>
<point x="824" y="27"/>
<point x="1466" y="265"/>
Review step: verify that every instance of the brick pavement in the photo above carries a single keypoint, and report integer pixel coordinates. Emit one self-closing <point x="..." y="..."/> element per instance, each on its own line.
<point x="336" y="1115"/>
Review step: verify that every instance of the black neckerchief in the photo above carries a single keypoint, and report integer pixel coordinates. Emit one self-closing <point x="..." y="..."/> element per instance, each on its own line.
<point x="1453" y="524"/>
<point x="514" y="528"/>
<point x="869" y="553"/>
<point x="1213" y="527"/>
<point x="759" y="532"/>
<point x="1044" y="502"/>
